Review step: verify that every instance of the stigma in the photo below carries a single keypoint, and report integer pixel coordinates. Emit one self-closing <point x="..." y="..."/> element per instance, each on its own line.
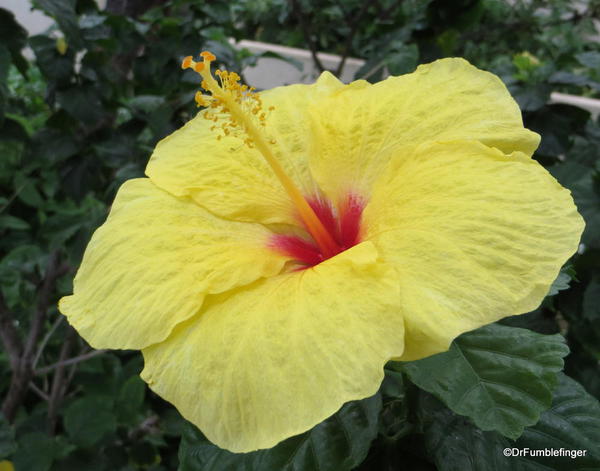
<point x="343" y="223"/>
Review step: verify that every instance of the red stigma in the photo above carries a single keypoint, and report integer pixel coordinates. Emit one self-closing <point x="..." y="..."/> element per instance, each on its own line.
<point x="344" y="229"/>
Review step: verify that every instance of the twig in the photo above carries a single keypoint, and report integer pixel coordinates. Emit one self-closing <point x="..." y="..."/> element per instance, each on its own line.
<point x="22" y="370"/>
<point x="307" y="35"/>
<point x="70" y="361"/>
<point x="9" y="335"/>
<point x="353" y="27"/>
<point x="53" y="272"/>
<point x="46" y="339"/>
<point x="38" y="391"/>
<point x="373" y="70"/>
<point x="59" y="382"/>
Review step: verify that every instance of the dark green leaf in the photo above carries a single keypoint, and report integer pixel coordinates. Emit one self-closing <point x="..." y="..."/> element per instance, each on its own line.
<point x="130" y="398"/>
<point x="531" y="97"/>
<point x="404" y="60"/>
<point x="586" y="192"/>
<point x="83" y="104"/>
<point x="11" y="222"/>
<point x="340" y="443"/>
<point x="55" y="66"/>
<point x="572" y="423"/>
<point x="566" y="78"/>
<point x="63" y="11"/>
<point x="36" y="452"/>
<point x="7" y="439"/>
<point x="13" y="36"/>
<point x="501" y="377"/>
<point x="589" y="59"/>
<point x="88" y="420"/>
<point x="560" y="284"/>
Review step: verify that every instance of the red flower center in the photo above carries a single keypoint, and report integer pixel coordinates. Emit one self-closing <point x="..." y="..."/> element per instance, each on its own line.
<point x="342" y="225"/>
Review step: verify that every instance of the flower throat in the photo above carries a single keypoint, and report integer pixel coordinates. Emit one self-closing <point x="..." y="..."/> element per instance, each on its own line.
<point x="331" y="234"/>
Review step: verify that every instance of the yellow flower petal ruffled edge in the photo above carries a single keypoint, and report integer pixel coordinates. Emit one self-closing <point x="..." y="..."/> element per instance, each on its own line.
<point x="274" y="359"/>
<point x="330" y="129"/>
<point x="474" y="234"/>
<point x="151" y="264"/>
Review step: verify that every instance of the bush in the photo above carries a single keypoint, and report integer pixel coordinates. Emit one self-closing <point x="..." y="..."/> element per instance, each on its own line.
<point x="84" y="115"/>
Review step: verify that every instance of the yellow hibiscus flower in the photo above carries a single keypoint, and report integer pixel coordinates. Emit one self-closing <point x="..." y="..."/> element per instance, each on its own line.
<point x="287" y="244"/>
<point x="6" y="466"/>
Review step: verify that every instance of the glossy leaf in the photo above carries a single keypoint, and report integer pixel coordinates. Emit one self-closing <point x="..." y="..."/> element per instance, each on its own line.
<point x="572" y="425"/>
<point x="501" y="377"/>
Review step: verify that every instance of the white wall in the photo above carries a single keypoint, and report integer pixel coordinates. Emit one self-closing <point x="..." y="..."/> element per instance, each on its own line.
<point x="34" y="21"/>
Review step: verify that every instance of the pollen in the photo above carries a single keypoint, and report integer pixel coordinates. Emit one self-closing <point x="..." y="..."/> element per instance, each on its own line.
<point x="228" y="97"/>
<point x="238" y="110"/>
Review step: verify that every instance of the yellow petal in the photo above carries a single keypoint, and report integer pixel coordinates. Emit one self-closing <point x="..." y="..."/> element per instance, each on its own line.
<point x="6" y="466"/>
<point x="356" y="131"/>
<point x="232" y="180"/>
<point x="276" y="358"/>
<point x="474" y="234"/>
<point x="150" y="265"/>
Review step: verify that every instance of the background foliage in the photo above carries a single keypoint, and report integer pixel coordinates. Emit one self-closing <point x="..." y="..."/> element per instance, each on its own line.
<point x="83" y="116"/>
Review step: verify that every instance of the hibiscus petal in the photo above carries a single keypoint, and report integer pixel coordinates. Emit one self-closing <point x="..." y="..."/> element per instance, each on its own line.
<point x="475" y="235"/>
<point x="232" y="180"/>
<point x="356" y="131"/>
<point x="276" y="358"/>
<point x="150" y="265"/>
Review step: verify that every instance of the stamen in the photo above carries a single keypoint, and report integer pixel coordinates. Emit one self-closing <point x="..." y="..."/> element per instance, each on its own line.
<point x="244" y="107"/>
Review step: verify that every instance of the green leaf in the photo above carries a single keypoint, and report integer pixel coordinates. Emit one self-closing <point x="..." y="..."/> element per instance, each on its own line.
<point x="572" y="423"/>
<point x="7" y="439"/>
<point x="591" y="300"/>
<point x="27" y="192"/>
<point x="83" y="103"/>
<point x="586" y="193"/>
<point x="589" y="59"/>
<point x="130" y="399"/>
<point x="455" y="444"/>
<point x="63" y="11"/>
<point x="531" y="97"/>
<point x="403" y="61"/>
<point x="36" y="452"/>
<point x="54" y="66"/>
<point x="11" y="222"/>
<point x="501" y="377"/>
<point x="566" y="78"/>
<point x="13" y="36"/>
<point x="88" y="420"/>
<point x="560" y="284"/>
<point x="339" y="443"/>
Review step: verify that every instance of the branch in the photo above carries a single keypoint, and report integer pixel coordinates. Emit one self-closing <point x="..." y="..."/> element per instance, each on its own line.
<point x="45" y="340"/>
<point x="38" y="391"/>
<point x="307" y="36"/>
<point x="9" y="335"/>
<point x="53" y="272"/>
<point x="22" y="366"/>
<point x="70" y="361"/>
<point x="353" y="27"/>
<point x="60" y="382"/>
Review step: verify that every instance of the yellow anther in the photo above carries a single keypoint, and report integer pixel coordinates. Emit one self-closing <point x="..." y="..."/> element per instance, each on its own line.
<point x="242" y="104"/>
<point x="208" y="56"/>
<point x="187" y="62"/>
